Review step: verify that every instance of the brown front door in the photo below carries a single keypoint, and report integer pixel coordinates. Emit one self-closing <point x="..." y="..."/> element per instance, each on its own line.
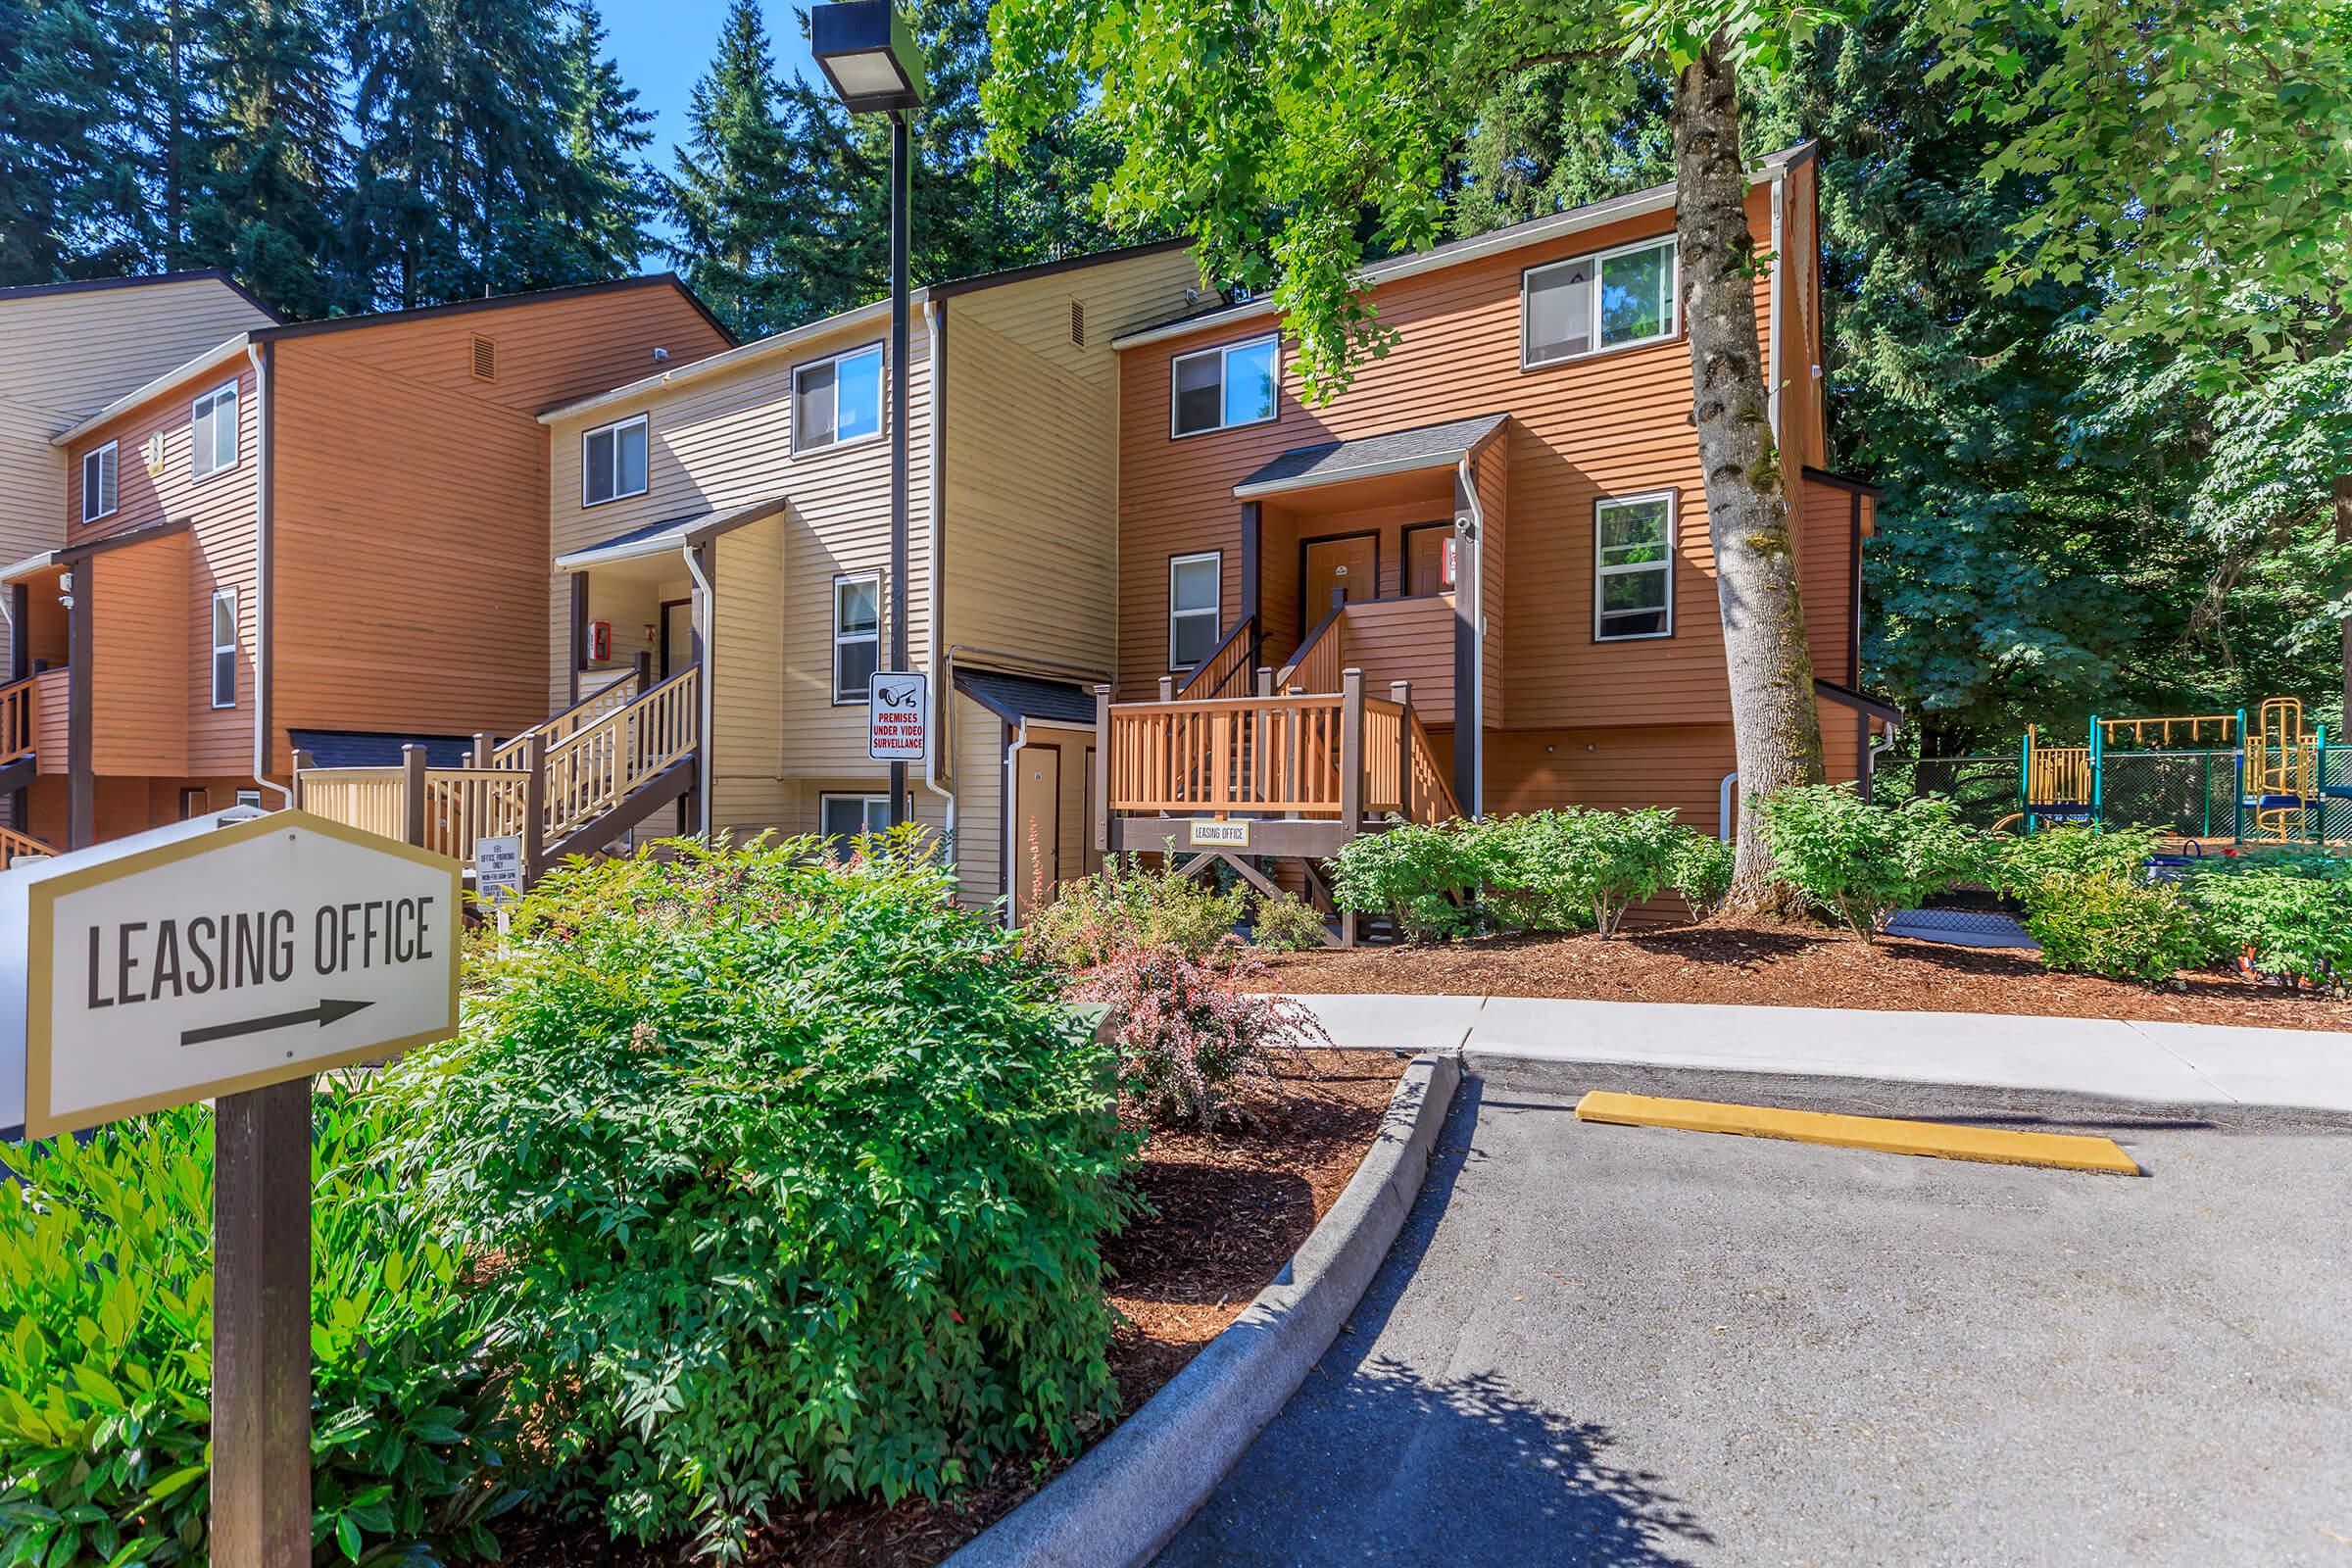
<point x="1350" y="566"/>
<point x="1036" y="824"/>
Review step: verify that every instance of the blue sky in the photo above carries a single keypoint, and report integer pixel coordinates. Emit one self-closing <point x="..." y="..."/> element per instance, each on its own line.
<point x="664" y="45"/>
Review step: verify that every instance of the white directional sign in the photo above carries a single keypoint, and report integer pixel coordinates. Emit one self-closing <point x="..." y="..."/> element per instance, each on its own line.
<point x="898" y="712"/>
<point x="200" y="961"/>
<point x="497" y="868"/>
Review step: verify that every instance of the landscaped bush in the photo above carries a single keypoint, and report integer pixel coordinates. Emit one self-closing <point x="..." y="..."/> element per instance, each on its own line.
<point x="1190" y="1032"/>
<point x="1286" y="923"/>
<point x="1422" y="876"/>
<point x="2117" y="924"/>
<point x="2279" y="922"/>
<point x="793" y="1176"/>
<point x="2019" y="866"/>
<point x="1572" y="869"/>
<point x="1862" y="863"/>
<point x="106" y="1291"/>
<point x="1127" y="905"/>
<point x="1703" y="872"/>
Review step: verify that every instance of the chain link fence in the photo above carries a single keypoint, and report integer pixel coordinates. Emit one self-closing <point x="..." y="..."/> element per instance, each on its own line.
<point x="1984" y="786"/>
<point x="2191" y="794"/>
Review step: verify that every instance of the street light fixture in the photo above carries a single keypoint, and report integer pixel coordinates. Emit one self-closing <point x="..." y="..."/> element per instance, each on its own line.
<point x="869" y="54"/>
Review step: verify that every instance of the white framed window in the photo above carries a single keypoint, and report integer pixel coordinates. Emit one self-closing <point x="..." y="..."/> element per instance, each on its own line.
<point x="842" y="817"/>
<point x="225" y="647"/>
<point x="249" y="797"/>
<point x="1195" y="592"/>
<point x="1633" y="566"/>
<point x="857" y="635"/>
<point x="213" y="432"/>
<point x="1216" y="389"/>
<point x="613" y="460"/>
<point x="100" y="469"/>
<point x="837" y="401"/>
<point x="1612" y="300"/>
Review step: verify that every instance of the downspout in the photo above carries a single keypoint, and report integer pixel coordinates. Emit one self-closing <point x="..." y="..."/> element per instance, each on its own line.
<point x="1465" y="476"/>
<point x="1016" y="737"/>
<point x="263" y="554"/>
<point x="938" y="670"/>
<point x="1870" y="758"/>
<point x="1780" y="214"/>
<point x="706" y="635"/>
<point x="1727" y="824"/>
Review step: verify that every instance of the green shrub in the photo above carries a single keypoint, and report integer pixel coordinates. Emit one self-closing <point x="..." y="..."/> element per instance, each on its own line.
<point x="797" y="1178"/>
<point x="106" y="1288"/>
<point x="2017" y="865"/>
<point x="1566" y="869"/>
<point x="1703" y="872"/>
<point x="1127" y="905"/>
<point x="1861" y="862"/>
<point x="1287" y="923"/>
<point x="1422" y="876"/>
<point x="2277" y="921"/>
<point x="1190" y="1033"/>
<point x="2117" y="924"/>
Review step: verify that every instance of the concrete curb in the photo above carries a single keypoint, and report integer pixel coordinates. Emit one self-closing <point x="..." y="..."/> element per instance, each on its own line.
<point x="1130" y="1494"/>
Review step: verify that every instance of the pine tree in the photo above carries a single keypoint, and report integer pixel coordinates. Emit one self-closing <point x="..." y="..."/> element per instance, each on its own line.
<point x="71" y="203"/>
<point x="731" y="198"/>
<point x="270" y="155"/>
<point x="605" y="134"/>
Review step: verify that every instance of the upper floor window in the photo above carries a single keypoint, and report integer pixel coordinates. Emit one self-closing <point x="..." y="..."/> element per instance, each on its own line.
<point x="857" y="635"/>
<point x="613" y="462"/>
<point x="837" y="401"/>
<point x="213" y="432"/>
<point x="98" y="477"/>
<point x="1633" y="566"/>
<point x="1610" y="301"/>
<point x="1220" y="387"/>
<point x="225" y="647"/>
<point x="1195" y="586"/>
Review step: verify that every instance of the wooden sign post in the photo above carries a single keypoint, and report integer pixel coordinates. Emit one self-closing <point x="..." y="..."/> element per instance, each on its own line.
<point x="229" y="960"/>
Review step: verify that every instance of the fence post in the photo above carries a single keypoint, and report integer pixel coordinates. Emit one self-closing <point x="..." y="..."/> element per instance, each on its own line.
<point x="1168" y="688"/>
<point x="1352" y="750"/>
<point x="534" y="805"/>
<point x="1099" y="806"/>
<point x="411" y="794"/>
<point x="1401" y="691"/>
<point x="303" y="763"/>
<point x="483" y="748"/>
<point x="1265" y="680"/>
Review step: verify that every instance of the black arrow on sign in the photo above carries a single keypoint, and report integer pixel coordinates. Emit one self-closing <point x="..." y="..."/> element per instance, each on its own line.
<point x="325" y="1014"/>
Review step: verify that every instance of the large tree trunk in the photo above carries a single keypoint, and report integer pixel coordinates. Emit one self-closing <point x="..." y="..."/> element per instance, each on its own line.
<point x="1775" y="726"/>
<point x="2343" y="537"/>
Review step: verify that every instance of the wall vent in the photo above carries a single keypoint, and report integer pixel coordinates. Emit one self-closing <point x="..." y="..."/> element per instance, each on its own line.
<point x="1078" y="323"/>
<point x="155" y="451"/>
<point x="485" y="360"/>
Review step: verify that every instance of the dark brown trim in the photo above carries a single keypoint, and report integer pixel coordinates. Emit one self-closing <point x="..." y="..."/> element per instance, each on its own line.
<point x="662" y="609"/>
<point x="1469" y="700"/>
<point x="71" y="555"/>
<point x="87" y="285"/>
<point x="973" y="282"/>
<point x="1006" y="806"/>
<point x="20" y="647"/>
<point x="1404" y="563"/>
<point x="1306" y="611"/>
<point x="264" y="566"/>
<point x="1842" y="481"/>
<point x="1829" y="691"/>
<point x="1254" y="558"/>
<point x="579" y="634"/>
<point x="496" y="301"/>
<point x="705" y="639"/>
<point x="80" y="784"/>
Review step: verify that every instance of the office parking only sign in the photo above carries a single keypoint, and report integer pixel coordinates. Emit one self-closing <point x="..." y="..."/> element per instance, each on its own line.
<point x="202" y="961"/>
<point x="897" y="716"/>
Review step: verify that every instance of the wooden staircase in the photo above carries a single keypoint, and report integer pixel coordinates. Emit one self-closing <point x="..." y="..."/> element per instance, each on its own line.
<point x="570" y="785"/>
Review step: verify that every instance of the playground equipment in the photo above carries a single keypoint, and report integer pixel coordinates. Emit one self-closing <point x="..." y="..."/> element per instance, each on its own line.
<point x="2282" y="773"/>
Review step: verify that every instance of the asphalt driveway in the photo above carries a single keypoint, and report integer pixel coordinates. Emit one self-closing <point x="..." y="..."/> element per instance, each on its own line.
<point x="1621" y="1345"/>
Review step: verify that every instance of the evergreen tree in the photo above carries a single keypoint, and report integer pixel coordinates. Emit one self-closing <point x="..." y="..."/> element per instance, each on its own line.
<point x="271" y="154"/>
<point x="72" y="202"/>
<point x="605" y="135"/>
<point x="732" y="196"/>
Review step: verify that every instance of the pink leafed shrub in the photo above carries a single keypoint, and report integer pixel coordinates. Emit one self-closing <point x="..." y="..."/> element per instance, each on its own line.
<point x="1190" y="1034"/>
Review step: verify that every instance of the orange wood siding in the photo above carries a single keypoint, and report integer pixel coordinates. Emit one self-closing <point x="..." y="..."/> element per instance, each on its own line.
<point x="1825" y="526"/>
<point x="1493" y="478"/>
<point x="1609" y="425"/>
<point x="411" y="508"/>
<point x="140" y="675"/>
<point x="1405" y="639"/>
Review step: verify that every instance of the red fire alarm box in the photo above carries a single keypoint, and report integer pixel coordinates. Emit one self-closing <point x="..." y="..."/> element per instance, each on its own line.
<point x="600" y="641"/>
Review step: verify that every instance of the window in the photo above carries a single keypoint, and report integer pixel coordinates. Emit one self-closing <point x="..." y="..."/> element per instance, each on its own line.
<point x="1220" y="387"/>
<point x="1632" y="567"/>
<point x="225" y="647"/>
<point x="846" y="817"/>
<point x="837" y="401"/>
<point x="1429" y="559"/>
<point x="98" y="474"/>
<point x="613" y="462"/>
<point x="857" y="635"/>
<point x="213" y="432"/>
<point x="1610" y="301"/>
<point x="1195" y="584"/>
<point x="252" y="797"/>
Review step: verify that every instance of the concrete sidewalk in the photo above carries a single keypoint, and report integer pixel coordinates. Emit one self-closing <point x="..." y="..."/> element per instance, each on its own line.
<point x="2146" y="1063"/>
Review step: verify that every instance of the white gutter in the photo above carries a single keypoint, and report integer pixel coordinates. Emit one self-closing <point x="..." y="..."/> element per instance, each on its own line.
<point x="263" y="552"/>
<point x="938" y="669"/>
<point x="1012" y="794"/>
<point x="1468" y="480"/>
<point x="1728" y="825"/>
<point x="1780" y="272"/>
<point x="702" y="698"/>
<point x="210" y="360"/>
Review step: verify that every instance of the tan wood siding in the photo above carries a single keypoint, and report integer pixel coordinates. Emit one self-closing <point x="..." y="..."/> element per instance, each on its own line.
<point x="979" y="741"/>
<point x="747" y="707"/>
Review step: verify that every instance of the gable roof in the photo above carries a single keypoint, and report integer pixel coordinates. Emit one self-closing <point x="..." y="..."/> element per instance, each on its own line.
<point x="1428" y="446"/>
<point x="1454" y="252"/>
<point x="92" y="286"/>
<point x="1018" y="698"/>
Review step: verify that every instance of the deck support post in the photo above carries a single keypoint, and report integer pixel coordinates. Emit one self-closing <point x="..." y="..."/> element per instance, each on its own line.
<point x="1401" y="691"/>
<point x="1352" y="773"/>
<point x="534" y="805"/>
<point x="411" y="794"/>
<point x="1098" y="784"/>
<point x="1168" y="688"/>
<point x="304" y="762"/>
<point x="1265" y="680"/>
<point x="82" y="787"/>
<point x="483" y="748"/>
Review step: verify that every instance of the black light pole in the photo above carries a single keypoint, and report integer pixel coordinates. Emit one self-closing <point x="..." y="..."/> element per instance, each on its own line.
<point x="869" y="55"/>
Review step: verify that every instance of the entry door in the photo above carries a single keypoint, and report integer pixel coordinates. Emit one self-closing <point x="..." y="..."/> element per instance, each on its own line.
<point x="1352" y="565"/>
<point x="677" y="636"/>
<point x="1036" y="823"/>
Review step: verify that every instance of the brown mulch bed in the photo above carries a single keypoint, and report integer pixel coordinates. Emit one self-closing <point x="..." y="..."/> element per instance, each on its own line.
<point x="1228" y="1212"/>
<point x="1761" y="964"/>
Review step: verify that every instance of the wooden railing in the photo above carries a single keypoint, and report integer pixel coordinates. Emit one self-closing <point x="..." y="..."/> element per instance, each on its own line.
<point x="2058" y="775"/>
<point x="19" y="706"/>
<point x="14" y="845"/>
<point x="1227" y="662"/>
<point x="1432" y="799"/>
<point x="1321" y="655"/>
<point x="569" y="722"/>
<point x="591" y="770"/>
<point x="373" y="799"/>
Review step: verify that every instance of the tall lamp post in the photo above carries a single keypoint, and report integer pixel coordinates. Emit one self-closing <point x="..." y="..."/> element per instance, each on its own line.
<point x="869" y="54"/>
